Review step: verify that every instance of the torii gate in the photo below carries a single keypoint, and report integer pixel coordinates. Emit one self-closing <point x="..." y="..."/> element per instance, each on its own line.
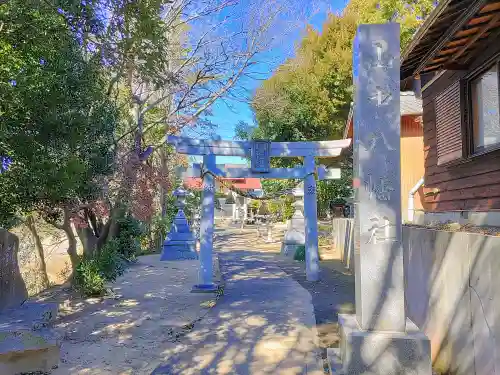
<point x="260" y="153"/>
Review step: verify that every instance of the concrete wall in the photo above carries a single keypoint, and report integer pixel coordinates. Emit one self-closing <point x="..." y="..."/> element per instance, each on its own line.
<point x="343" y="240"/>
<point x="452" y="282"/>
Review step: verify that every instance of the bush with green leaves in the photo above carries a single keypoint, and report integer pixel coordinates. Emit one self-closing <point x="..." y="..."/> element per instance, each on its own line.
<point x="127" y="241"/>
<point x="111" y="263"/>
<point x="281" y="209"/>
<point x="88" y="278"/>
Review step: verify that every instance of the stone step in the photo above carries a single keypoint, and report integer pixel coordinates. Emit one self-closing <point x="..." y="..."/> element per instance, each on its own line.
<point x="27" y="342"/>
<point x="27" y="351"/>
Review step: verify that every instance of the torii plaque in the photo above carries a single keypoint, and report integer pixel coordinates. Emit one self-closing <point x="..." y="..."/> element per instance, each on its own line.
<point x="261" y="156"/>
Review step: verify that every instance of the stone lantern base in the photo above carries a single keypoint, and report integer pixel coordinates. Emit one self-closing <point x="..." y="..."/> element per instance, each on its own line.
<point x="180" y="243"/>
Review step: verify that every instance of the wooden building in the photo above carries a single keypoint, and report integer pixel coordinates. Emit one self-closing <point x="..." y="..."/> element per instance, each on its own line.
<point x="412" y="152"/>
<point x="453" y="60"/>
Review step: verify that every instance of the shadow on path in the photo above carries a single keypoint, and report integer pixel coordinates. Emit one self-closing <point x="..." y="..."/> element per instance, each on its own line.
<point x="264" y="324"/>
<point x="333" y="294"/>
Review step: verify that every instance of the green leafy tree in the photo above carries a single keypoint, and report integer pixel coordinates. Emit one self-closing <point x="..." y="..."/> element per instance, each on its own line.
<point x="309" y="96"/>
<point x="57" y="122"/>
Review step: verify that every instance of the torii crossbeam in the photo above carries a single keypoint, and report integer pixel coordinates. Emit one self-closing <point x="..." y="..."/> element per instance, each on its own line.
<point x="260" y="153"/>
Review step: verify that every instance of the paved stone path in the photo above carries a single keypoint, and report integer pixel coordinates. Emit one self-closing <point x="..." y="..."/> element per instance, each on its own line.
<point x="264" y="323"/>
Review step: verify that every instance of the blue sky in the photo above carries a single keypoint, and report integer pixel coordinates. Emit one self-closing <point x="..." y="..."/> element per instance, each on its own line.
<point x="226" y="118"/>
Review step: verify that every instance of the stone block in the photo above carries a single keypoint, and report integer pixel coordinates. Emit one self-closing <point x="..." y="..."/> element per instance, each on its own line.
<point x="179" y="236"/>
<point x="27" y="344"/>
<point x="484" y="292"/>
<point x="32" y="315"/>
<point x="27" y="351"/>
<point x="380" y="353"/>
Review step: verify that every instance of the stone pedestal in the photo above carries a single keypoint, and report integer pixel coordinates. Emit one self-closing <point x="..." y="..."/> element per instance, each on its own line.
<point x="295" y="233"/>
<point x="378" y="352"/>
<point x="180" y="243"/>
<point x="378" y="340"/>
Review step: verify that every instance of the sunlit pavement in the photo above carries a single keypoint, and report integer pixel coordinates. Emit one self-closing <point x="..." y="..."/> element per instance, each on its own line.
<point x="264" y="323"/>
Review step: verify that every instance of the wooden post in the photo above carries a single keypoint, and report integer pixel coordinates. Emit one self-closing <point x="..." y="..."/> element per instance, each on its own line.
<point x="311" y="216"/>
<point x="207" y="229"/>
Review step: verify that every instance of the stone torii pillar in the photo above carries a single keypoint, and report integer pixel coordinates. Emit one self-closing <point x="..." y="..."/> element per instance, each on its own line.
<point x="205" y="273"/>
<point x="379" y="339"/>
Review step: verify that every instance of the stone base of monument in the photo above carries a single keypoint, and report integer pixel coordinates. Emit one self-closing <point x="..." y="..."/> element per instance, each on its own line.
<point x="293" y="239"/>
<point x="27" y="343"/>
<point x="379" y="352"/>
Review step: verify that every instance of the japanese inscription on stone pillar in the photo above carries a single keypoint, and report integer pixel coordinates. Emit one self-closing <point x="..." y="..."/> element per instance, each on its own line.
<point x="377" y="180"/>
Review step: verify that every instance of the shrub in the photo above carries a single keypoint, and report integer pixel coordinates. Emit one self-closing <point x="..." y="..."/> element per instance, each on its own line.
<point x="300" y="253"/>
<point x="92" y="273"/>
<point x="126" y="242"/>
<point x="110" y="262"/>
<point x="152" y="239"/>
<point x="88" y="278"/>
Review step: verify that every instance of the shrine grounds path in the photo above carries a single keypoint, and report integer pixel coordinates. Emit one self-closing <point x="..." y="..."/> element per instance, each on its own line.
<point x="333" y="294"/>
<point x="269" y="320"/>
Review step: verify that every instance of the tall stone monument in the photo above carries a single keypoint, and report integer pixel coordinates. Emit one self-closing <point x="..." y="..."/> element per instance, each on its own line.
<point x="379" y="339"/>
<point x="180" y="243"/>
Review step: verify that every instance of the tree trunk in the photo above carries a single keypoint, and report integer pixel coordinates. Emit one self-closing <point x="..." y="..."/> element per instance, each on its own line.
<point x="30" y="223"/>
<point x="68" y="229"/>
<point x="88" y="240"/>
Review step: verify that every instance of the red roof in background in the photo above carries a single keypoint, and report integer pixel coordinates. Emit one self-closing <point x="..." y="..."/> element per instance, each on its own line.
<point x="195" y="183"/>
<point x="248" y="184"/>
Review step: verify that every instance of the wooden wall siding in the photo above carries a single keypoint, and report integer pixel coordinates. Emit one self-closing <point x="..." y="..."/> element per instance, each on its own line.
<point x="473" y="185"/>
<point x="412" y="161"/>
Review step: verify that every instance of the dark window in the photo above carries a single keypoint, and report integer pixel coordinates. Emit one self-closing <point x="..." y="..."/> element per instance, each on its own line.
<point x="449" y="121"/>
<point x="485" y="110"/>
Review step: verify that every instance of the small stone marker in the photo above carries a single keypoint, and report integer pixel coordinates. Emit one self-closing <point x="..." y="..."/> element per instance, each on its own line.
<point x="180" y="243"/>
<point x="378" y="340"/>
